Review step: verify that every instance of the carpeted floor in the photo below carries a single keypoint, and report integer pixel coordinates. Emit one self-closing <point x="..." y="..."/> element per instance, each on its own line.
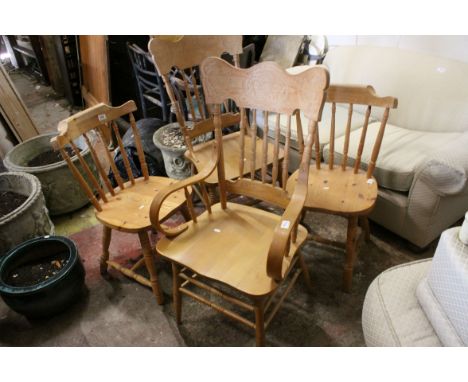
<point x="120" y="312"/>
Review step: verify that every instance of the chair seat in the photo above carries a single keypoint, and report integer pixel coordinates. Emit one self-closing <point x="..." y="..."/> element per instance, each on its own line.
<point x="230" y="246"/>
<point x="128" y="210"/>
<point x="338" y="191"/>
<point x="231" y="150"/>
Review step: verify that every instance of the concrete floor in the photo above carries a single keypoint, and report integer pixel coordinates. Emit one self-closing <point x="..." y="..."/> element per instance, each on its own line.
<point x="119" y="312"/>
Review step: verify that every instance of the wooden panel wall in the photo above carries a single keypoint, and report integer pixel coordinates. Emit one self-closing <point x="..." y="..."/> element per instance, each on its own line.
<point x="95" y="69"/>
<point x="14" y="111"/>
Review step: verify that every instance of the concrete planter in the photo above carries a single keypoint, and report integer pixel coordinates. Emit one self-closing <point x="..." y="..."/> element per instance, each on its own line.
<point x="29" y="220"/>
<point x="175" y="163"/>
<point x="61" y="191"/>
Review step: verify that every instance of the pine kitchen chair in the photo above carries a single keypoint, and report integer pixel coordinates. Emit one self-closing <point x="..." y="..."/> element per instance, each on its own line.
<point x="344" y="185"/>
<point x="126" y="207"/>
<point x="186" y="91"/>
<point x="248" y="249"/>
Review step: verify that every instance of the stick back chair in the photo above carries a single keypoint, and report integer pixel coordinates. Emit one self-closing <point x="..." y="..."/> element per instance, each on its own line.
<point x="185" y="90"/>
<point x="126" y="207"/>
<point x="341" y="186"/>
<point x="245" y="248"/>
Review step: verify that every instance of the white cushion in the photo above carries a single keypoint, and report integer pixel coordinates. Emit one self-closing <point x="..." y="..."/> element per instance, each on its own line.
<point x="391" y="314"/>
<point x="436" y="315"/>
<point x="402" y="152"/>
<point x="448" y="280"/>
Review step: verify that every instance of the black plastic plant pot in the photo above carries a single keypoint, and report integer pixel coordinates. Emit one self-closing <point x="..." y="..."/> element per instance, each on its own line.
<point x="52" y="294"/>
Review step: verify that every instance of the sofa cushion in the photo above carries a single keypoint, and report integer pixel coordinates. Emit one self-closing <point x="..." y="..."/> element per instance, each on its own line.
<point x="341" y="118"/>
<point x="391" y="315"/>
<point x="448" y="280"/>
<point x="436" y="315"/>
<point x="402" y="152"/>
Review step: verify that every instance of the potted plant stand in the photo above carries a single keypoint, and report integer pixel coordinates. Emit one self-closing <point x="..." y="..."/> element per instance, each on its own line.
<point x="42" y="276"/>
<point x="23" y="213"/>
<point x="36" y="156"/>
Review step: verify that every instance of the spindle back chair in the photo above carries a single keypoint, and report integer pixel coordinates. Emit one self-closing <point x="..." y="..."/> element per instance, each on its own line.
<point x="125" y="207"/>
<point x="151" y="92"/>
<point x="245" y="248"/>
<point x="186" y="94"/>
<point x="345" y="185"/>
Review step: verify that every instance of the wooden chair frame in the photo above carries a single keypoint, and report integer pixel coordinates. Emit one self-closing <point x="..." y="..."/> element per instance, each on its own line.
<point x="265" y="87"/>
<point x="186" y="54"/>
<point x="350" y="95"/>
<point x="93" y="178"/>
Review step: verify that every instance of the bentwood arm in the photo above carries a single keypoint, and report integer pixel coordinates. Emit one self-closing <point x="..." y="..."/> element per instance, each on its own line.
<point x="162" y="195"/>
<point x="286" y="230"/>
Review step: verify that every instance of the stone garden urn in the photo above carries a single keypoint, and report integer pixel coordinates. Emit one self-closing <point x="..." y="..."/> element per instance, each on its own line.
<point x="61" y="191"/>
<point x="170" y="141"/>
<point x="30" y="219"/>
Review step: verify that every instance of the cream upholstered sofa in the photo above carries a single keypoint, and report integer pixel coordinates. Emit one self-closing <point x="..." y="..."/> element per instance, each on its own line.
<point x="422" y="303"/>
<point x="422" y="168"/>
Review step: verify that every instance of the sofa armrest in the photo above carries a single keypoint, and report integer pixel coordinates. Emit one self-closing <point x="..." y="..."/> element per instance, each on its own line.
<point x="446" y="173"/>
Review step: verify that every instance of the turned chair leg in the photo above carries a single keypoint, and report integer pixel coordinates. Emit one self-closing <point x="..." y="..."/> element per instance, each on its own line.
<point x="176" y="295"/>
<point x="350" y="253"/>
<point x="149" y="262"/>
<point x="364" y="223"/>
<point x="106" y="239"/>
<point x="305" y="272"/>
<point x="259" y="309"/>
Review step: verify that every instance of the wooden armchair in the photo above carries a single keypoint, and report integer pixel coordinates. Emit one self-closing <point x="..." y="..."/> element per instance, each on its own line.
<point x="341" y="186"/>
<point x="126" y="207"/>
<point x="242" y="247"/>
<point x="185" y="92"/>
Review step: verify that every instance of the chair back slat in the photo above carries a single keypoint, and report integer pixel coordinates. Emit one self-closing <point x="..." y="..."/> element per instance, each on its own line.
<point x="268" y="89"/>
<point x="81" y="180"/>
<point x="253" y="143"/>
<point x="346" y="140"/>
<point x="200" y="103"/>
<point x="139" y="147"/>
<point x="332" y="137"/>
<point x="300" y="136"/>
<point x="243" y="129"/>
<point x="88" y="172"/>
<point x="362" y="140"/>
<point x="287" y="143"/>
<point x="265" y="146"/>
<point x="188" y="95"/>
<point x="377" y="144"/>
<point x="98" y="164"/>
<point x="110" y="160"/>
<point x="275" y="170"/>
<point x="127" y="166"/>
<point x="316" y="142"/>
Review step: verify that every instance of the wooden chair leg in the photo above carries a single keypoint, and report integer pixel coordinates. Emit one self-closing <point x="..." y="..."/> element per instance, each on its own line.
<point x="106" y="239"/>
<point x="149" y="262"/>
<point x="185" y="212"/>
<point x="305" y="272"/>
<point x="259" y="323"/>
<point x="350" y="253"/>
<point x="176" y="295"/>
<point x="364" y="223"/>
